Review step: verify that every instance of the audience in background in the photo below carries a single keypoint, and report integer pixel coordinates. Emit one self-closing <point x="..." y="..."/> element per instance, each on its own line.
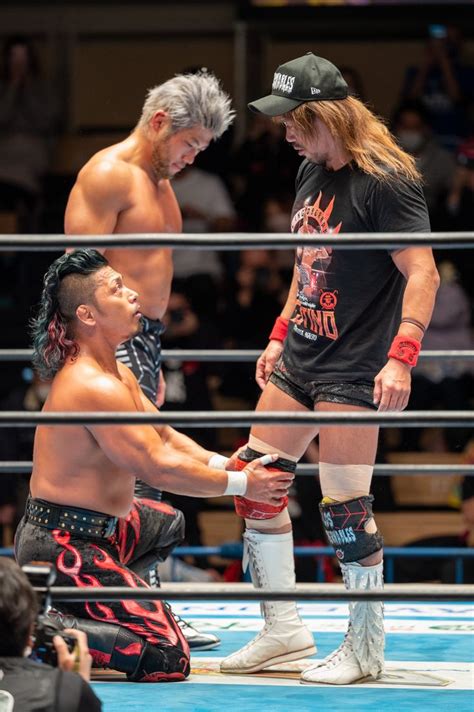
<point x="16" y="444"/>
<point x="435" y="164"/>
<point x="188" y="388"/>
<point x="28" y="120"/>
<point x="263" y="164"/>
<point x="251" y="304"/>
<point x="444" y="383"/>
<point x="443" y="83"/>
<point x="206" y="207"/>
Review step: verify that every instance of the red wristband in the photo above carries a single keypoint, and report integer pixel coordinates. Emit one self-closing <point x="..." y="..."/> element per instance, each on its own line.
<point x="405" y="349"/>
<point x="280" y="329"/>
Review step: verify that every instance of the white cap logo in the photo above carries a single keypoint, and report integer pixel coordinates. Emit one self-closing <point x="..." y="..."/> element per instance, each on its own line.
<point x="283" y="82"/>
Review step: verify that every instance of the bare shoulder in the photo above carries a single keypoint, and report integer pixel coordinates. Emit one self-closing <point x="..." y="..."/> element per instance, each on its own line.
<point x="81" y="386"/>
<point x="105" y="176"/>
<point x="127" y="375"/>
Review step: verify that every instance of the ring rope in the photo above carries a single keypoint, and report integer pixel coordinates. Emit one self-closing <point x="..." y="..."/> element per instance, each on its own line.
<point x="238" y="241"/>
<point x="304" y="469"/>
<point x="244" y="418"/>
<point x="237" y="355"/>
<point x="245" y="592"/>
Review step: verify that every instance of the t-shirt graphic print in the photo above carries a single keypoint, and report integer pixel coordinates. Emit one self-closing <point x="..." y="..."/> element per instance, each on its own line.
<point x="348" y="302"/>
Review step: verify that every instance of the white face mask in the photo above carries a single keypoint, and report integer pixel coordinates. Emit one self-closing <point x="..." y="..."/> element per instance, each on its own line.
<point x="411" y="141"/>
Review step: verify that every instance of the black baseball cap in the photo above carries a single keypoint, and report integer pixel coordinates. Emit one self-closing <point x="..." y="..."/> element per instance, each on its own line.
<point x="307" y="78"/>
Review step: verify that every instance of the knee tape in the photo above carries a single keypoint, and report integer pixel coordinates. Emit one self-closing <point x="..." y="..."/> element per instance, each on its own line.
<point x="258" y="510"/>
<point x="341" y="482"/>
<point x="282" y="519"/>
<point x="261" y="446"/>
<point x="346" y="527"/>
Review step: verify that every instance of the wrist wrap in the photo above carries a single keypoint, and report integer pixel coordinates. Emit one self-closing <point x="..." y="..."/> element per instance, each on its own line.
<point x="236" y="483"/>
<point x="280" y="329"/>
<point x="405" y="349"/>
<point x="218" y="462"/>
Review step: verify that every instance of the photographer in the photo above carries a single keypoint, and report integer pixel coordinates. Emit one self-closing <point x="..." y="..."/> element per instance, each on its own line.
<point x="25" y="685"/>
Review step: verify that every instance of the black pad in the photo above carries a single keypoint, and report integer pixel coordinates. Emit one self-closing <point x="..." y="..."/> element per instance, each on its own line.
<point x="344" y="523"/>
<point x="281" y="463"/>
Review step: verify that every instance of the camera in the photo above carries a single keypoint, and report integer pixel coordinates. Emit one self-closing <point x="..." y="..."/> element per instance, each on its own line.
<point x="41" y="576"/>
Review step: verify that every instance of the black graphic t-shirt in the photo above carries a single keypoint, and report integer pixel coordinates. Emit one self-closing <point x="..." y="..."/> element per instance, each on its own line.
<point x="348" y="302"/>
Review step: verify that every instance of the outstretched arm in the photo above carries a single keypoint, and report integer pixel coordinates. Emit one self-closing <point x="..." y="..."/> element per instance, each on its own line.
<point x="172" y="438"/>
<point x="140" y="449"/>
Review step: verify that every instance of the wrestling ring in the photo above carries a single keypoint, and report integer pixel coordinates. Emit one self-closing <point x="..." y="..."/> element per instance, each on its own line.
<point x="429" y="627"/>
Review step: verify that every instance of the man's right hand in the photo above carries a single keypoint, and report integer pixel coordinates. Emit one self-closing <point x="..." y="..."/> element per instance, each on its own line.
<point x="80" y="660"/>
<point x="266" y="486"/>
<point x="266" y="362"/>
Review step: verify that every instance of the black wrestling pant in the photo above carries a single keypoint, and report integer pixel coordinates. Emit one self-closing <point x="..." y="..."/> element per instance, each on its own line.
<point x="140" y="638"/>
<point x="142" y="355"/>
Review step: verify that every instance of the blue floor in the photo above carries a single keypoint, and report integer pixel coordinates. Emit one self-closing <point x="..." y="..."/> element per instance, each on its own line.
<point x="252" y="698"/>
<point x="201" y="695"/>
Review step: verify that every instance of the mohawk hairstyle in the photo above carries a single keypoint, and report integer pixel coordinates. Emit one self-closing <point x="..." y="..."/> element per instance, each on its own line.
<point x="65" y="287"/>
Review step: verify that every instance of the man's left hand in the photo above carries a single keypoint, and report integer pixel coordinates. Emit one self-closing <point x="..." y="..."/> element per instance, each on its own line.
<point x="392" y="386"/>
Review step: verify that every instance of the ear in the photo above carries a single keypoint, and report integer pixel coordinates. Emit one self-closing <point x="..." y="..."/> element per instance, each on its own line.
<point x="85" y="315"/>
<point x="160" y="120"/>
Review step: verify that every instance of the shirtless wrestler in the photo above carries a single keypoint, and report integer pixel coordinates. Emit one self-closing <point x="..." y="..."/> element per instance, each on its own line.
<point x="81" y="515"/>
<point x="126" y="188"/>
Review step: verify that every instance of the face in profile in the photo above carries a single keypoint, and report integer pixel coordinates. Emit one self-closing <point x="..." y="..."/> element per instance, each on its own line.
<point x="171" y="152"/>
<point x="116" y="309"/>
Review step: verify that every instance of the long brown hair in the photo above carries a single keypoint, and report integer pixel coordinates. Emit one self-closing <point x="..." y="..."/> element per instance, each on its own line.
<point x="362" y="134"/>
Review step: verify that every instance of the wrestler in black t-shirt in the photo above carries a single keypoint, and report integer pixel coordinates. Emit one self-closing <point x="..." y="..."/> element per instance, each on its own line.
<point x="348" y="305"/>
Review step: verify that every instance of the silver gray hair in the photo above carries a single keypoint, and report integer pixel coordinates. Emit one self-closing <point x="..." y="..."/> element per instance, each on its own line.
<point x="190" y="100"/>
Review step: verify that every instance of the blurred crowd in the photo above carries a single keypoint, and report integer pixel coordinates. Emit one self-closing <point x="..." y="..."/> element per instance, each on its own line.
<point x="229" y="300"/>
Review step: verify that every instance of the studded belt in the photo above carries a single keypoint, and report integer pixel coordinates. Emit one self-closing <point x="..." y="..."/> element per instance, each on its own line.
<point x="79" y="522"/>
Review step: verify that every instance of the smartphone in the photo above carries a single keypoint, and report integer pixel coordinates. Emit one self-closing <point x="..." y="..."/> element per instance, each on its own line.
<point x="437" y="32"/>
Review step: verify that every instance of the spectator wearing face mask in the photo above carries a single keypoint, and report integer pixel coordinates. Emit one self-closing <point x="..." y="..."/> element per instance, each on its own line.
<point x="436" y="165"/>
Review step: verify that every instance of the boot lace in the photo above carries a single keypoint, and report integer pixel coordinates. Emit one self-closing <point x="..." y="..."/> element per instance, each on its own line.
<point x="339" y="655"/>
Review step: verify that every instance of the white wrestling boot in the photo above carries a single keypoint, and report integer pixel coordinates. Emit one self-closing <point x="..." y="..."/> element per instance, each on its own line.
<point x="284" y="637"/>
<point x="361" y="655"/>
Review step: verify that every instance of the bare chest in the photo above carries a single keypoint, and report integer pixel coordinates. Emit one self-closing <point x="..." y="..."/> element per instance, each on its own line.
<point x="151" y="208"/>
